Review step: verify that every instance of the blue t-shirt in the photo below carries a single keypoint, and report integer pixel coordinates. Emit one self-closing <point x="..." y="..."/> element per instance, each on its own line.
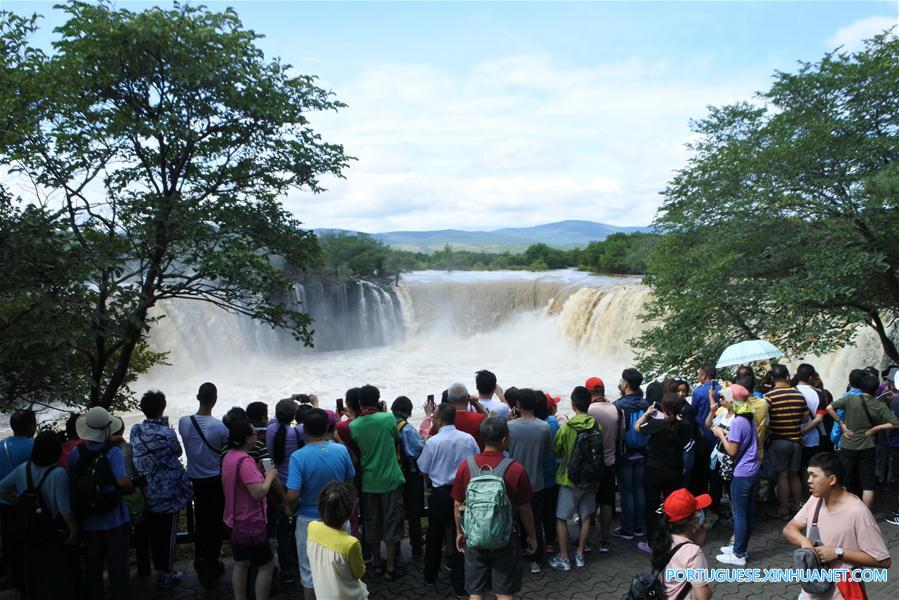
<point x="54" y="489"/>
<point x="119" y="515"/>
<point x="14" y="450"/>
<point x="550" y="462"/>
<point x="202" y="458"/>
<point x="314" y="466"/>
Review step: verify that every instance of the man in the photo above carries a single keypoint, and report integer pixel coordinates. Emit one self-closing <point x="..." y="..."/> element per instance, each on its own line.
<point x="787" y="413"/>
<point x="413" y="490"/>
<point x="701" y="401"/>
<point x="529" y="441"/>
<point x="630" y="462"/>
<point x="204" y="436"/>
<point x="863" y="419"/>
<point x="606" y="415"/>
<point x="572" y="500"/>
<point x="499" y="570"/>
<point x="102" y="513"/>
<point x="319" y="462"/>
<point x="811" y="431"/>
<point x="485" y="381"/>
<point x="15" y="450"/>
<point x="889" y="377"/>
<point x="444" y="451"/>
<point x="375" y="435"/>
<point x="849" y="536"/>
<point x="466" y="420"/>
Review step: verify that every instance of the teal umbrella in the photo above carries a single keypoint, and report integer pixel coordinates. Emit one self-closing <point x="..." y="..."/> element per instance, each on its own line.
<point x="747" y="352"/>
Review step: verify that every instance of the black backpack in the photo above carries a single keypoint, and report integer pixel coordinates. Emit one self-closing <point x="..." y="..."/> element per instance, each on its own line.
<point x="31" y="520"/>
<point x="90" y="476"/>
<point x="648" y="586"/>
<point x="587" y="461"/>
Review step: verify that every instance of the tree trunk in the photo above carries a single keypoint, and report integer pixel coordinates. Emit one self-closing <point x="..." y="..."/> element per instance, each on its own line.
<point x="889" y="346"/>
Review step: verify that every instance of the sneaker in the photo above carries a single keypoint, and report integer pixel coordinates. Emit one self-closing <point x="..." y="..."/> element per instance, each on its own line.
<point x="587" y="548"/>
<point x="621" y="533"/>
<point x="559" y="563"/>
<point x="727" y="549"/>
<point x="893" y="519"/>
<point x="604" y="547"/>
<point x="535" y="568"/>
<point x="580" y="561"/>
<point x="644" y="547"/>
<point x="167" y="579"/>
<point x="729" y="558"/>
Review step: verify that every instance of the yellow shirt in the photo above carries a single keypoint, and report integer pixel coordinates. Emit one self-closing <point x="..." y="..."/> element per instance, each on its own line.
<point x="335" y="559"/>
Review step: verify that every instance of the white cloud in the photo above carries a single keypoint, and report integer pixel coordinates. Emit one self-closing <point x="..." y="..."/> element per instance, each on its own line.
<point x="852" y="36"/>
<point x="516" y="140"/>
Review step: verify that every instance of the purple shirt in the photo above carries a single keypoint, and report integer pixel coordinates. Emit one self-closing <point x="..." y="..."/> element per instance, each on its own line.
<point x="293" y="439"/>
<point x="742" y="431"/>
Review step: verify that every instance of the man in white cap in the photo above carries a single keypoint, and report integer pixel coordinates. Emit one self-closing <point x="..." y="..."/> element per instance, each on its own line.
<point x="97" y="472"/>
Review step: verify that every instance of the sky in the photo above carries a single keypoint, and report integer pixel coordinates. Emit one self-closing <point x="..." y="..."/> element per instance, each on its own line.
<point x="479" y="115"/>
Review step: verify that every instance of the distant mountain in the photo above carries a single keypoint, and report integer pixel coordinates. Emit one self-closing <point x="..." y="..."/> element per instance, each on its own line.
<point x="564" y="234"/>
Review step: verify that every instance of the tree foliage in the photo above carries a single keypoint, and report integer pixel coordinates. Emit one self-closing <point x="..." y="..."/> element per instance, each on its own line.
<point x="158" y="143"/>
<point x="783" y="224"/>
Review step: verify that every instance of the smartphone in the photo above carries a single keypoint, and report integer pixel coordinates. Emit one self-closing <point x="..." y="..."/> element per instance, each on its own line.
<point x="340" y="409"/>
<point x="267" y="464"/>
<point x="431" y="399"/>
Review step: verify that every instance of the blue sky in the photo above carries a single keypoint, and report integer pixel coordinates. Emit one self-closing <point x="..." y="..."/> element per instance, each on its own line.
<point x="480" y="115"/>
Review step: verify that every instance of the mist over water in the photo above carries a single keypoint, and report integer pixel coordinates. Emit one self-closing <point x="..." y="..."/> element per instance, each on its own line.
<point x="543" y="330"/>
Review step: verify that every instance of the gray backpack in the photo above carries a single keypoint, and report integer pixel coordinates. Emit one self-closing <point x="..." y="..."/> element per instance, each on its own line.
<point x="805" y="559"/>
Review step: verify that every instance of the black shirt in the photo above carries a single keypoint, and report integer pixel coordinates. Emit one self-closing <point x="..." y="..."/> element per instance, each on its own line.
<point x="666" y="452"/>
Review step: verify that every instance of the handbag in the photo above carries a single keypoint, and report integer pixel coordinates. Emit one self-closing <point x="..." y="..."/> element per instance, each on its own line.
<point x="807" y="559"/>
<point x="252" y="531"/>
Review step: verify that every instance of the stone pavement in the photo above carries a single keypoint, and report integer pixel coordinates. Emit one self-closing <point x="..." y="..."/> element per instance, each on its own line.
<point x="604" y="576"/>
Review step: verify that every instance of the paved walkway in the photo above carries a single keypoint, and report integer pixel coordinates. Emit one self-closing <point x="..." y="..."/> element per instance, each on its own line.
<point x="604" y="576"/>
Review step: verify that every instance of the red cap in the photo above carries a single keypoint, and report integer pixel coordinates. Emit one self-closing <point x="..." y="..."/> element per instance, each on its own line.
<point x="680" y="504"/>
<point x="595" y="384"/>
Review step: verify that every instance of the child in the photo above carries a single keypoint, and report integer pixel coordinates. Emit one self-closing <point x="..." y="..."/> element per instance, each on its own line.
<point x="335" y="557"/>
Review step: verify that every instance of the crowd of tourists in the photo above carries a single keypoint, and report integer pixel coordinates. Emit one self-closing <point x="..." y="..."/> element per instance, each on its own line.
<point x="322" y="498"/>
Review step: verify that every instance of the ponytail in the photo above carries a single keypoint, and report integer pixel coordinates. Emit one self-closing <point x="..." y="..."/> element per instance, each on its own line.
<point x="279" y="442"/>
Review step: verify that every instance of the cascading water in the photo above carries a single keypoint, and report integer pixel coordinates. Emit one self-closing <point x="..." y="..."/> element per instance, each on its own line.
<point x="545" y="330"/>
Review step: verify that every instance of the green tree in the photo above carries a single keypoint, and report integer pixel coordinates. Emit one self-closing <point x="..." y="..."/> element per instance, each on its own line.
<point x="783" y="224"/>
<point x="167" y="138"/>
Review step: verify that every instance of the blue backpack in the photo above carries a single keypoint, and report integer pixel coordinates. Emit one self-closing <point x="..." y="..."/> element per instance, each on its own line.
<point x="632" y="439"/>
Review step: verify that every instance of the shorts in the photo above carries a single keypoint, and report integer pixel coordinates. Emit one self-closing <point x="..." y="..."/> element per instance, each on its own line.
<point x="785" y="455"/>
<point x="575" y="500"/>
<point x="859" y="467"/>
<point x="383" y="516"/>
<point x="605" y="493"/>
<point x="258" y="556"/>
<point x="498" y="570"/>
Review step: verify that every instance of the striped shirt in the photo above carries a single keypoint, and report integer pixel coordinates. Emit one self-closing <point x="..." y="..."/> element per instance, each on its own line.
<point x="787" y="410"/>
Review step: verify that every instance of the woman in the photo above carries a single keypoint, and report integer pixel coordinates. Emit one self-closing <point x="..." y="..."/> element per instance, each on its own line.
<point x="156" y="454"/>
<point x="543" y="411"/>
<point x="51" y="558"/>
<point x="742" y="444"/>
<point x="721" y="464"/>
<point x="245" y="489"/>
<point x="678" y="544"/>
<point x="282" y="440"/>
<point x="335" y="557"/>
<point x="664" y="470"/>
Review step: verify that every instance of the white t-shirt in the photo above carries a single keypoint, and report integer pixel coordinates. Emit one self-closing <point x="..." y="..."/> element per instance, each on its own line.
<point x="202" y="461"/>
<point x="812" y="437"/>
<point x="495" y="406"/>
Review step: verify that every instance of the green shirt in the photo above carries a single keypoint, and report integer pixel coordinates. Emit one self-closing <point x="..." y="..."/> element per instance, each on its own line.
<point x="563" y="444"/>
<point x="376" y="437"/>
<point x="857" y="421"/>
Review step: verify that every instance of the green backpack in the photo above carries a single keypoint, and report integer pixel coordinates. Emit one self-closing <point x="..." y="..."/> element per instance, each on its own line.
<point x="487" y="520"/>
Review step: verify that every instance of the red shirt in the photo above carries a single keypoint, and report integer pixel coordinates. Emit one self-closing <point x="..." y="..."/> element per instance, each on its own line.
<point x="343" y="432"/>
<point x="518" y="486"/>
<point x="470" y="423"/>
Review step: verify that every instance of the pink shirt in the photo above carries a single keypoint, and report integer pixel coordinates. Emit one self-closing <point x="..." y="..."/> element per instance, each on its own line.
<point x="240" y="504"/>
<point x="689" y="556"/>
<point x="607" y="415"/>
<point x="851" y="526"/>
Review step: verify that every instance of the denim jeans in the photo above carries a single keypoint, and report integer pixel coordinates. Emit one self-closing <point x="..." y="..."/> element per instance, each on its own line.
<point x="742" y="496"/>
<point x="633" y="496"/>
